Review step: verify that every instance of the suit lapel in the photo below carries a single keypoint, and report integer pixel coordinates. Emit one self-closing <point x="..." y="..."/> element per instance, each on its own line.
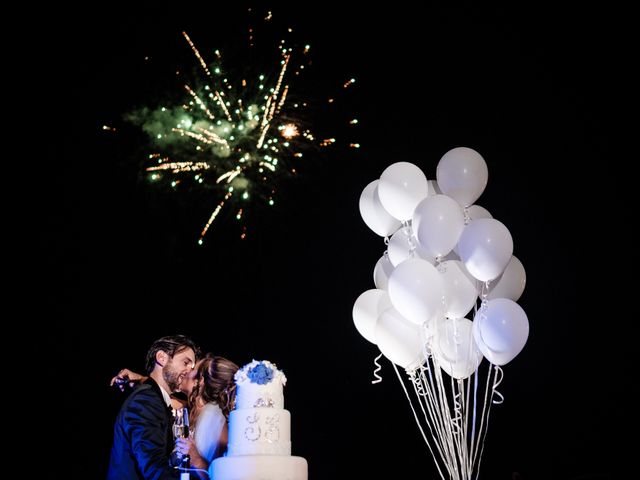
<point x="168" y="411"/>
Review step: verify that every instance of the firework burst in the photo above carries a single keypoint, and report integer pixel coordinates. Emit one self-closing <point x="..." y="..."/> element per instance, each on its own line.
<point x="239" y="137"/>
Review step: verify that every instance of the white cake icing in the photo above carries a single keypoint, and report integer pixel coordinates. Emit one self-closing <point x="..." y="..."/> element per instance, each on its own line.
<point x="259" y="430"/>
<point x="251" y="394"/>
<point x="259" y="467"/>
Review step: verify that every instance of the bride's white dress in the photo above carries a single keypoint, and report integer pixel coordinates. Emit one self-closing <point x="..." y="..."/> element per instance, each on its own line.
<point x="208" y="429"/>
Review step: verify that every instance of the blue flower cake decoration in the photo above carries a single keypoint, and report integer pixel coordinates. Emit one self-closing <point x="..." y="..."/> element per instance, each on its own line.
<point x="260" y="374"/>
<point x="259" y="384"/>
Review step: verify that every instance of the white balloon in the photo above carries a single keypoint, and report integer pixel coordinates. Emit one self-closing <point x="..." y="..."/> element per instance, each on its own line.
<point x="400" y="244"/>
<point x="366" y="310"/>
<point x="399" y="340"/>
<point x="476" y="211"/>
<point x="454" y="347"/>
<point x="381" y="272"/>
<point x="437" y="222"/>
<point x="416" y="290"/>
<point x="511" y="283"/>
<point x="460" y="288"/>
<point x="462" y="174"/>
<point x="402" y="186"/>
<point x="501" y="330"/>
<point x="374" y="214"/>
<point x="485" y="247"/>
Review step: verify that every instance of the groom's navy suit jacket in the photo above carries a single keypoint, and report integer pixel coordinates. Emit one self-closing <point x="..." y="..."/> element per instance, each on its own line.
<point x="142" y="438"/>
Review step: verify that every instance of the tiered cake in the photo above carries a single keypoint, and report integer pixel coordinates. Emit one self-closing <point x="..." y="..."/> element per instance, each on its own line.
<point x="259" y="430"/>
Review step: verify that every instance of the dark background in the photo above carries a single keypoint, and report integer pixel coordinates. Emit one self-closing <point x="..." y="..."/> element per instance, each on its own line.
<point x="535" y="90"/>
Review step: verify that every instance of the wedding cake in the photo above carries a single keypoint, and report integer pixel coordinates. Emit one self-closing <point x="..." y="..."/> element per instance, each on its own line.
<point x="259" y="445"/>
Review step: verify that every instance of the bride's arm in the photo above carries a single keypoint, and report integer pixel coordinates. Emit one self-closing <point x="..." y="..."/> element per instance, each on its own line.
<point x="127" y="377"/>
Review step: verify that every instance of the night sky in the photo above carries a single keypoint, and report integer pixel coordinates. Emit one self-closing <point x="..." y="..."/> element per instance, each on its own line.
<point x="525" y="88"/>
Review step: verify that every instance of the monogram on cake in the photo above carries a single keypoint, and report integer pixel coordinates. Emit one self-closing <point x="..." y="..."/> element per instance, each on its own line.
<point x="259" y="445"/>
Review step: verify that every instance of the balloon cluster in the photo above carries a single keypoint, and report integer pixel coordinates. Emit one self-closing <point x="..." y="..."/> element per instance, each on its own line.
<point x="446" y="258"/>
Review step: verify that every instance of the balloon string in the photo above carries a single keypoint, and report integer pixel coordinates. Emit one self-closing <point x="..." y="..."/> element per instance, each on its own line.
<point x="415" y="415"/>
<point x="488" y="405"/>
<point x="420" y="390"/>
<point x="484" y="304"/>
<point x="497" y="381"/>
<point x="467" y="217"/>
<point x="412" y="246"/>
<point x="457" y="413"/>
<point x="408" y="231"/>
<point x="378" y="368"/>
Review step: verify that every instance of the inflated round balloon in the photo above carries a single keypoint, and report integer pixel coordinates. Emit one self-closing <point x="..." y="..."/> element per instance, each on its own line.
<point x="476" y="211"/>
<point x="485" y="247"/>
<point x="402" y="186"/>
<point x="374" y="214"/>
<point x="501" y="330"/>
<point x="462" y="174"/>
<point x="454" y="348"/>
<point x="399" y="340"/>
<point x="366" y="310"/>
<point x="381" y="272"/>
<point x="416" y="290"/>
<point x="400" y="244"/>
<point x="460" y="288"/>
<point x="511" y="283"/>
<point x="437" y="223"/>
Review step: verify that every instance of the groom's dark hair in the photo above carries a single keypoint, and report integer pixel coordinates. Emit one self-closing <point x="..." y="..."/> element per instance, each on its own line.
<point x="171" y="345"/>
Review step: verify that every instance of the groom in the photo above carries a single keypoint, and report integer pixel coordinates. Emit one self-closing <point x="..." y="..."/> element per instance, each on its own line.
<point x="142" y="437"/>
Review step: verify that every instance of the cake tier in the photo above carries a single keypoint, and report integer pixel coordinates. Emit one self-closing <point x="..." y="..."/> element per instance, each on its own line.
<point x="259" y="467"/>
<point x="254" y="395"/>
<point x="259" y="431"/>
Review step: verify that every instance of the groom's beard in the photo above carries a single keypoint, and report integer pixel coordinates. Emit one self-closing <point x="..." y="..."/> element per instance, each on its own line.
<point x="172" y="377"/>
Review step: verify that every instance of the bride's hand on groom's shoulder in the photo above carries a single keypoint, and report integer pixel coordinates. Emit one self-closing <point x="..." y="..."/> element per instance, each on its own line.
<point x="126" y="377"/>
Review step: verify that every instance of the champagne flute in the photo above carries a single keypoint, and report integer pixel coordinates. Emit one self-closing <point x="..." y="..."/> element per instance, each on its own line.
<point x="181" y="423"/>
<point x="181" y="430"/>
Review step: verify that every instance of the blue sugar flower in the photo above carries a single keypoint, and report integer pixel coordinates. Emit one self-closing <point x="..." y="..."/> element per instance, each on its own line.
<point x="260" y="374"/>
